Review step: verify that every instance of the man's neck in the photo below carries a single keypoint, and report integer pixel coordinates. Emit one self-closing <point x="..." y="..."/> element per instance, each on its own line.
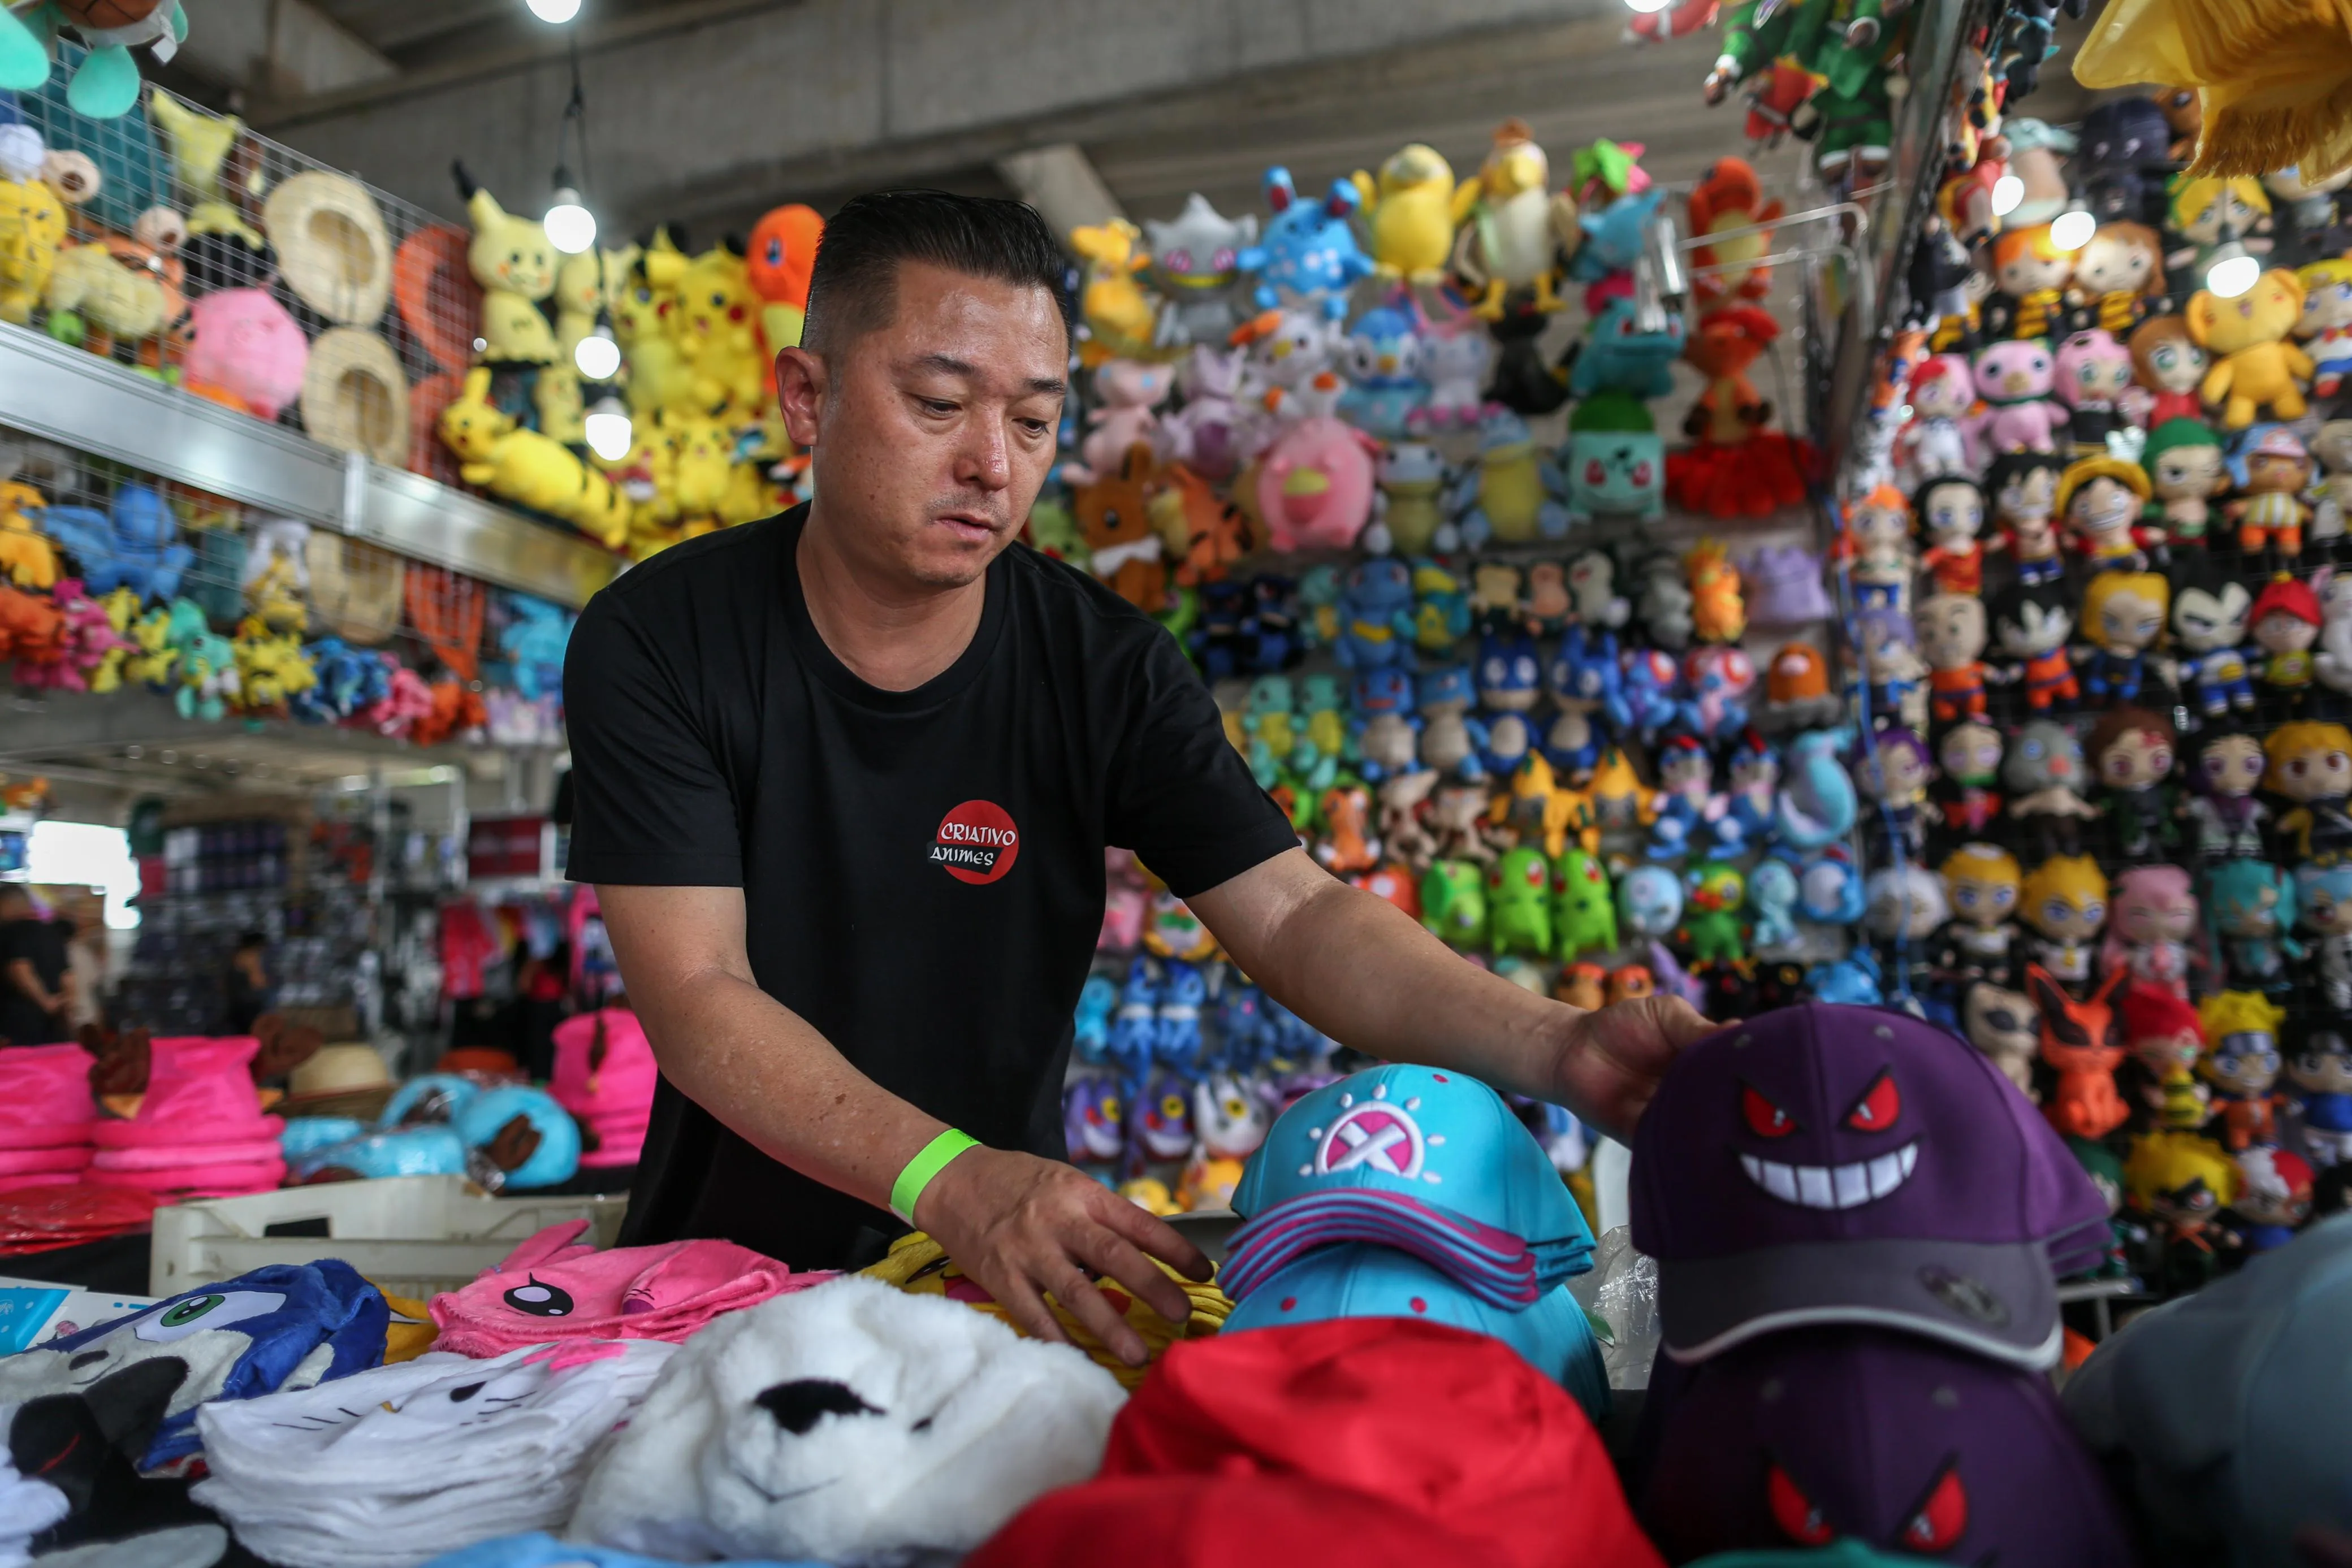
<point x="890" y="634"/>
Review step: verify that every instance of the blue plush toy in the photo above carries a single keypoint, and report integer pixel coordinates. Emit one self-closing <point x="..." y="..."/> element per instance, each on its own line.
<point x="349" y="679"/>
<point x="136" y="548"/>
<point x="1376" y="615"/>
<point x="1383" y="364"/>
<point x="1649" y="901"/>
<point x="1585" y="677"/>
<point x="1615" y="462"/>
<point x="1271" y="635"/>
<point x="1829" y="887"/>
<point x="556" y="1157"/>
<point x="1509" y="670"/>
<point x="533" y="640"/>
<point x="1817" y="804"/>
<point x="1385" y="690"/>
<point x="1245" y="1035"/>
<point x="1176" y="1033"/>
<point x="1445" y="684"/>
<point x="1618" y="355"/>
<point x="1772" y="901"/>
<point x="1651" y="680"/>
<point x="1853" y="980"/>
<point x="1136" y="1025"/>
<point x="1614" y="236"/>
<point x="1309" y="252"/>
<point x="1090" y="1028"/>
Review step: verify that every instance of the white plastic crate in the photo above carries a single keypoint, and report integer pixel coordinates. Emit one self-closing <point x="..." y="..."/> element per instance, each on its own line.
<point x="413" y="1236"/>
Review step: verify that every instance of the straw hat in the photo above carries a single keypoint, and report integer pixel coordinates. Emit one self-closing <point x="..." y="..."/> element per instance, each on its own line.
<point x="355" y="397"/>
<point x="332" y="246"/>
<point x="347" y="1079"/>
<point x="355" y="588"/>
<point x="439" y="302"/>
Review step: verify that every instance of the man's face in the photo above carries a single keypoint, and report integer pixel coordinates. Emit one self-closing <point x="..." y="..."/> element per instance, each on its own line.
<point x="931" y="436"/>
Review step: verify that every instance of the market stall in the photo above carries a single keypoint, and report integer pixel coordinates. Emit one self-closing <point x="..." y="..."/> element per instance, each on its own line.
<point x="1773" y="584"/>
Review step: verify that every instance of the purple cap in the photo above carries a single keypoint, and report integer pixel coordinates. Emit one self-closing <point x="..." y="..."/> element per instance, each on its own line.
<point x="1850" y="1164"/>
<point x="1828" y="1434"/>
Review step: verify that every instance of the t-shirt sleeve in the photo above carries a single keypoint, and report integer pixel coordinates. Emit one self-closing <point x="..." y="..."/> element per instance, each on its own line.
<point x="1180" y="796"/>
<point x="651" y="801"/>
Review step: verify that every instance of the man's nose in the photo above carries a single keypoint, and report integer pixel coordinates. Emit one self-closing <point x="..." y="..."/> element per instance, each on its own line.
<point x="986" y="459"/>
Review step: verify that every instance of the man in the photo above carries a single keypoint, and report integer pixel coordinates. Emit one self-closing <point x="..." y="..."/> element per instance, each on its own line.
<point x="844" y="780"/>
<point x="36" y="990"/>
<point x="244" y="987"/>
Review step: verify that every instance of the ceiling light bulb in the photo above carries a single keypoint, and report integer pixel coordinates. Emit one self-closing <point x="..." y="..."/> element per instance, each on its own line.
<point x="2232" y="271"/>
<point x="2072" y="229"/>
<point x="571" y="227"/>
<point x="609" y="434"/>
<point x="1647" y="7"/>
<point x="2007" y="193"/>
<point x="556" y="11"/>
<point x="597" y="357"/>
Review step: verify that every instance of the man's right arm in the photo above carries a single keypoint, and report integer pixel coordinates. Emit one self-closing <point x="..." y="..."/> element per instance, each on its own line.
<point x="1017" y="1224"/>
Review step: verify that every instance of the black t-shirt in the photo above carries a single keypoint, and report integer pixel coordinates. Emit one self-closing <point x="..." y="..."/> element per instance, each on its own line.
<point x="922" y="871"/>
<point x="22" y="1022"/>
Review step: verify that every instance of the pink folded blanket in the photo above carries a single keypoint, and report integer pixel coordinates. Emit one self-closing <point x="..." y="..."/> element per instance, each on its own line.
<point x="29" y="1162"/>
<point x="44" y="1099"/>
<point x="179" y="1156"/>
<point x="197" y="1181"/>
<point x="199" y="1091"/>
<point x="549" y="1288"/>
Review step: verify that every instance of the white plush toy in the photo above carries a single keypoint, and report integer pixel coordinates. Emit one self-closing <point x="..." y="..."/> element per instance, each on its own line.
<point x="852" y="1423"/>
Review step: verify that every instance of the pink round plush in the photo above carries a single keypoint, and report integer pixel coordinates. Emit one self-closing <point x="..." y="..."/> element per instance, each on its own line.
<point x="1314" y="486"/>
<point x="248" y="345"/>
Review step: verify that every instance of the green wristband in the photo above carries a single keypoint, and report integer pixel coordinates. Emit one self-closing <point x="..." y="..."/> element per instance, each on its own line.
<point x="929" y="1163"/>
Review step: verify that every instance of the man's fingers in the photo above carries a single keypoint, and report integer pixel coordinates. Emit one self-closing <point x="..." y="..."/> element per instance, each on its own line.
<point x="1157" y="1237"/>
<point x="1683" y="1024"/>
<point x="1021" y="1300"/>
<point x="1078" y="1296"/>
<point x="1108" y="1253"/>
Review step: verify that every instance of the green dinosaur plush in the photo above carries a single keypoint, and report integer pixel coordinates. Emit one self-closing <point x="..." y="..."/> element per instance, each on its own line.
<point x="1711" y="931"/>
<point x="1518" y="898"/>
<point x="1584" y="909"/>
<point x="1454" y="904"/>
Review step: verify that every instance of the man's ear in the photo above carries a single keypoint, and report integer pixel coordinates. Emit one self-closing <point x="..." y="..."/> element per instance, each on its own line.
<point x="802" y="386"/>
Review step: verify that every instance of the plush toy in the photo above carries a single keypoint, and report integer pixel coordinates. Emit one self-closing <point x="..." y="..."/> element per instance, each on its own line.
<point x="247" y="351"/>
<point x="533" y="642"/>
<point x="1385" y="393"/>
<point x="659" y="376"/>
<point x="1615" y="461"/>
<point x="205" y="665"/>
<point x="1195" y="262"/>
<point x="1455" y="362"/>
<point x="26" y="557"/>
<point x="1515" y="234"/>
<point x="1114" y="517"/>
<point x="778" y="260"/>
<point x="515" y="263"/>
<point x="88" y="650"/>
<point x="1209" y="434"/>
<point x="1375" y="624"/>
<point x="586" y="286"/>
<point x="2325" y="329"/>
<point x="1729" y="196"/>
<point x="276" y="577"/>
<point x="2016" y="379"/>
<point x="1518" y="898"/>
<point x="32" y="226"/>
<point x="2254" y="364"/>
<point x="1310" y="250"/>
<point x="1409" y="211"/>
<point x="106" y="293"/>
<point x="1314" y="486"/>
<point x="105" y="85"/>
<point x="1410" y="507"/>
<point x="1620" y="355"/>
<point x="1454" y="904"/>
<point x="1735" y="467"/>
<point x="1510" y="495"/>
<point x="1127" y="393"/>
<point x="521" y="465"/>
<point x="1615" y="235"/>
<point x="137" y="547"/>
<point x="1122" y="320"/>
<point x="2094" y="372"/>
<point x="718" y="336"/>
<point x="271" y="668"/>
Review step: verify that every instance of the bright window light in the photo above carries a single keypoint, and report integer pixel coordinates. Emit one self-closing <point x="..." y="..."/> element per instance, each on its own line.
<point x="84" y="854"/>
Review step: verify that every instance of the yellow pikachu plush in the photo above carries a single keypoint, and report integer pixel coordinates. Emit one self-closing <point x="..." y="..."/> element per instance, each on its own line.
<point x="586" y="284"/>
<point x="515" y="465"/>
<point x="717" y="327"/>
<point x="702" y="451"/>
<point x="514" y="262"/>
<point x="28" y="559"/>
<point x="2254" y="362"/>
<point x="32" y="226"/>
<point x="561" y="405"/>
<point x="659" y="377"/>
<point x="1409" y="212"/>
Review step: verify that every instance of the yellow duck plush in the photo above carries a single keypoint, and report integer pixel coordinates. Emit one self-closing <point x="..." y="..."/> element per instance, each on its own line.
<point x="514" y="261"/>
<point x="28" y="559"/>
<point x="1122" y="320"/>
<point x="2254" y="362"/>
<point x="32" y="226"/>
<point x="1409" y="210"/>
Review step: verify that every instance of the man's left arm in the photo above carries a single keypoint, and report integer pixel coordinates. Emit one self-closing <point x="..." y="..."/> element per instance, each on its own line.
<point x="1365" y="974"/>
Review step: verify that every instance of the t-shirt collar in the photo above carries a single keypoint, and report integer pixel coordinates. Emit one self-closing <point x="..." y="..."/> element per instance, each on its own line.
<point x="820" y="659"/>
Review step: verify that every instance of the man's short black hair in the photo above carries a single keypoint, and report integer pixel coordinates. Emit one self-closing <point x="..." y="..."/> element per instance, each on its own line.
<point x="852" y="286"/>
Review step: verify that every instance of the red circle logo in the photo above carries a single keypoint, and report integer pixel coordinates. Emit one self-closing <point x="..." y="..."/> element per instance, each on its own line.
<point x="977" y="843"/>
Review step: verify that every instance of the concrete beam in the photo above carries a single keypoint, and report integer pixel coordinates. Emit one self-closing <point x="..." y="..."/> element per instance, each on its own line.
<point x="1061" y="182"/>
<point x="275" y="50"/>
<point x="713" y="111"/>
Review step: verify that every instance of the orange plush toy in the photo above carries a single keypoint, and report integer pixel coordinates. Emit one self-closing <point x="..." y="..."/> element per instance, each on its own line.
<point x="1734" y="467"/>
<point x="1730" y="197"/>
<point x="1114" y="517"/>
<point x="782" y="251"/>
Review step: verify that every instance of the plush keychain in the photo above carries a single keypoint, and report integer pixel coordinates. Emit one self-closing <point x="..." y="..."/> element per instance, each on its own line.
<point x="1735" y="465"/>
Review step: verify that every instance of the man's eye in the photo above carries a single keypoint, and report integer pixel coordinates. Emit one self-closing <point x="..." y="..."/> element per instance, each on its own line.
<point x="933" y="405"/>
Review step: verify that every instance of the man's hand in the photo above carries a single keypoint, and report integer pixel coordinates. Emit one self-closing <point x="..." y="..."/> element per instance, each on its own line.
<point x="1610" y="1062"/>
<point x="1020" y="1225"/>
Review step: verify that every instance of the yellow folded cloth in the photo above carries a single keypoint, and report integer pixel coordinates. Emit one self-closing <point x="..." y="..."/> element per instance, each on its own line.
<point x="411" y="1331"/>
<point x="2274" y="76"/>
<point x="921" y="1265"/>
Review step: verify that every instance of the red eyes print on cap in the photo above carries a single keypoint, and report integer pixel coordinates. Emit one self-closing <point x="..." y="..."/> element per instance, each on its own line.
<point x="1879" y="1106"/>
<point x="1943" y="1519"/>
<point x="1765" y="1119"/>
<point x="1794" y="1513"/>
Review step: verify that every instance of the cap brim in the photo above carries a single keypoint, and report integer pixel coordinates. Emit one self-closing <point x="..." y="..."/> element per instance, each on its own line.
<point x="1996" y="1300"/>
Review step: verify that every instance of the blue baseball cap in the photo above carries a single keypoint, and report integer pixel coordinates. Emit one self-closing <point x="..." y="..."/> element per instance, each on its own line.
<point x="1359" y="1280"/>
<point x="1440" y="1137"/>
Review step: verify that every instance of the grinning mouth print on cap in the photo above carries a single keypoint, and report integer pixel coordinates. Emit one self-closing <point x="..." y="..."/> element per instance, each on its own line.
<point x="1834" y="1186"/>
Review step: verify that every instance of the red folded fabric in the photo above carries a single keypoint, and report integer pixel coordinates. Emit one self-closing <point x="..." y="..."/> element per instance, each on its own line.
<point x="38" y="1178"/>
<point x="76" y="1210"/>
<point x="29" y="1162"/>
<point x="176" y="1156"/>
<point x="1224" y="1521"/>
<point x="1451" y="1424"/>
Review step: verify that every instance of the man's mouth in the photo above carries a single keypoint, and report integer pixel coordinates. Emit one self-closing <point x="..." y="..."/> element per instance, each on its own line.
<point x="968" y="527"/>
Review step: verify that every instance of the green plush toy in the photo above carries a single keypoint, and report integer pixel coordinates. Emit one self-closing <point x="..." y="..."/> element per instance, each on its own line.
<point x="1454" y="904"/>
<point x="1518" y="899"/>
<point x="1583" y="908"/>
<point x="105" y="85"/>
<point x="1711" y="931"/>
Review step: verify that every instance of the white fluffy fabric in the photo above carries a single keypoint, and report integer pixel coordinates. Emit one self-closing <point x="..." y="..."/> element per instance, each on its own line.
<point x="924" y="1426"/>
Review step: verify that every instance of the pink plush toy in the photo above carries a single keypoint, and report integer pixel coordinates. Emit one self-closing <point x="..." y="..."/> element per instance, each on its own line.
<point x="248" y="347"/>
<point x="2093" y="373"/>
<point x="1939" y="440"/>
<point x="2016" y="378"/>
<point x="409" y="700"/>
<point x="1127" y="392"/>
<point x="1209" y="434"/>
<point x="1314" y="487"/>
<point x="88" y="638"/>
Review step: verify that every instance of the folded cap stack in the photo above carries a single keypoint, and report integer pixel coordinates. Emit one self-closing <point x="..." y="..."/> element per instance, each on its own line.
<point x="1412" y="1191"/>
<point x="45" y="1116"/>
<point x="604" y="1075"/>
<point x="199" y="1131"/>
<point x="1859" y="1224"/>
